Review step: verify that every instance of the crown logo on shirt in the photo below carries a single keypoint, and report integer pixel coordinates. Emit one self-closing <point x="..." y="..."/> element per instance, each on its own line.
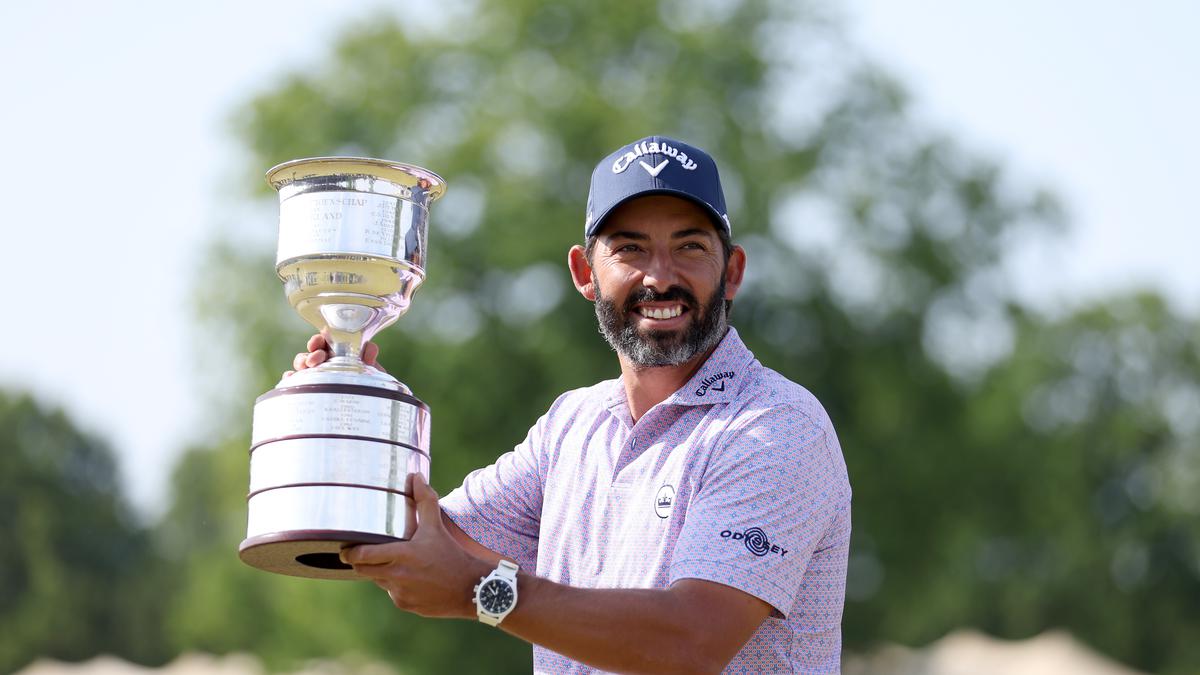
<point x="664" y="501"/>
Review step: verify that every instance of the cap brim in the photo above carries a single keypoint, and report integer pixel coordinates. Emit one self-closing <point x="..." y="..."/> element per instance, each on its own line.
<point x="717" y="218"/>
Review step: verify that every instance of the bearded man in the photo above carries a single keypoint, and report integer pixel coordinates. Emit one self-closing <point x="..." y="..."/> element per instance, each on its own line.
<point x="692" y="515"/>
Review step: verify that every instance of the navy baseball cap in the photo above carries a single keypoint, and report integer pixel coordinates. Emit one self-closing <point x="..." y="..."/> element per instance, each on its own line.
<point x="650" y="166"/>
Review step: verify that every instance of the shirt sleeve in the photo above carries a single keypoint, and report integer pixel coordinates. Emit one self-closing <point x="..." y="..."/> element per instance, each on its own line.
<point x="768" y="499"/>
<point x="500" y="506"/>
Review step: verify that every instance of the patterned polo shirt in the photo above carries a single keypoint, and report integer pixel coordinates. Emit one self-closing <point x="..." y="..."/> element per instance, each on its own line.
<point x="736" y="478"/>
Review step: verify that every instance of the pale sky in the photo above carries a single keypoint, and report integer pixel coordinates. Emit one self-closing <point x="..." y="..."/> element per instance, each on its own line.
<point x="119" y="166"/>
<point x="1098" y="100"/>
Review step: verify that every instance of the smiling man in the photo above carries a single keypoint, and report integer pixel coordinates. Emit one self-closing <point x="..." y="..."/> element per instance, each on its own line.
<point x="692" y="515"/>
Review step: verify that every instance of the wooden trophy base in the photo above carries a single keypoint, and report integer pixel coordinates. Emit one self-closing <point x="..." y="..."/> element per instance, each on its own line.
<point x="307" y="553"/>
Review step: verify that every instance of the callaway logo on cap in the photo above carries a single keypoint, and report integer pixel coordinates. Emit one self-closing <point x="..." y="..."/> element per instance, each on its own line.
<point x="655" y="165"/>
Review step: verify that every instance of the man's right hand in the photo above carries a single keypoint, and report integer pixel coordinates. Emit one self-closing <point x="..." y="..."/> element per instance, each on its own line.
<point x="318" y="352"/>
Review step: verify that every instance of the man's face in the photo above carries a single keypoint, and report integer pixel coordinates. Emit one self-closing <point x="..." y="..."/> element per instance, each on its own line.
<point x="659" y="272"/>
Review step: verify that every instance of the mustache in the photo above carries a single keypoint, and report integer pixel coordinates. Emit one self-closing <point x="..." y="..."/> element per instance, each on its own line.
<point x="650" y="295"/>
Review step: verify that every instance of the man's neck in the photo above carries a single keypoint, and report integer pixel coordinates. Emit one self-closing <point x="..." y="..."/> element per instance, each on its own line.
<point x="647" y="387"/>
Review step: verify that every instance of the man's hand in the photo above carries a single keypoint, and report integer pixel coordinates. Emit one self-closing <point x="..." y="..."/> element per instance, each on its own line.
<point x="430" y="574"/>
<point x="318" y="352"/>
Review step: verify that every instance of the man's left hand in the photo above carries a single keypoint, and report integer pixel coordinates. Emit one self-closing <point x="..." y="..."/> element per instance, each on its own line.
<point x="430" y="574"/>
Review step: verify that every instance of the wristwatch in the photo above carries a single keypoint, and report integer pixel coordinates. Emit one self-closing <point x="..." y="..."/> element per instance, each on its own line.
<point x="496" y="594"/>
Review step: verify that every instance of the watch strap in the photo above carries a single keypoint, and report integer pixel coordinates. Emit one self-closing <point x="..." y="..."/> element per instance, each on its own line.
<point x="507" y="570"/>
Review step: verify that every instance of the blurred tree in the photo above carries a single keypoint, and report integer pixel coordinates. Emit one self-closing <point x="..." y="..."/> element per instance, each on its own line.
<point x="1079" y="504"/>
<point x="78" y="576"/>
<point x="876" y="279"/>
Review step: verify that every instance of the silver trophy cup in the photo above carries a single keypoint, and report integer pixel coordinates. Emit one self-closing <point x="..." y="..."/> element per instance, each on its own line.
<point x="334" y="447"/>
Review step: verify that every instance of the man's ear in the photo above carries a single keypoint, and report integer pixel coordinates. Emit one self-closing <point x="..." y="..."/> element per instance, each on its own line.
<point x="581" y="272"/>
<point x="735" y="271"/>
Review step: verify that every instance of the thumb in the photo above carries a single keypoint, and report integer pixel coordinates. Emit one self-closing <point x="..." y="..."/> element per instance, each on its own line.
<point x="428" y="511"/>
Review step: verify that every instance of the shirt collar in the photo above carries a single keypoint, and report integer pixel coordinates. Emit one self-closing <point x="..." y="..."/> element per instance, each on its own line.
<point x="721" y="378"/>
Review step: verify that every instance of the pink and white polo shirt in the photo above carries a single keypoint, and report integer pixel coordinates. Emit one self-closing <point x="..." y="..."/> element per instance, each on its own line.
<point x="737" y="478"/>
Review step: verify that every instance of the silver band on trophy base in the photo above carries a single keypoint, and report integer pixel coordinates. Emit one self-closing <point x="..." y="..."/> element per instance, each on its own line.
<point x="334" y="448"/>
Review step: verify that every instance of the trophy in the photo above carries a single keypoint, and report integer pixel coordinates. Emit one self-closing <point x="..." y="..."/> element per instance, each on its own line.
<point x="334" y="447"/>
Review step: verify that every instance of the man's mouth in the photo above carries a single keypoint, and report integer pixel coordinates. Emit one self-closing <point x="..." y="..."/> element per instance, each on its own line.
<point x="660" y="312"/>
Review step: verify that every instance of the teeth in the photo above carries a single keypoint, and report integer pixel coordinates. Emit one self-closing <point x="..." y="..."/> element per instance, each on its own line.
<point x="661" y="313"/>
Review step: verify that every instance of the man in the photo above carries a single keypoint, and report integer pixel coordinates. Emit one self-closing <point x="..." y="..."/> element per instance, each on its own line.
<point x="690" y="516"/>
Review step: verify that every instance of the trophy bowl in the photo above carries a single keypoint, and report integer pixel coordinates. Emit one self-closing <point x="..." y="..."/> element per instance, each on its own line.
<point x="334" y="448"/>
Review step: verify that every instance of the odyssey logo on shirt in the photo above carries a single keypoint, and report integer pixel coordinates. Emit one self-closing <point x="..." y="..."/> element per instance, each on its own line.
<point x="755" y="540"/>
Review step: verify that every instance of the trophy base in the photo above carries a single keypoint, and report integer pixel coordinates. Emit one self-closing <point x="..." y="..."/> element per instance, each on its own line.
<point x="313" y="554"/>
<point x="331" y="465"/>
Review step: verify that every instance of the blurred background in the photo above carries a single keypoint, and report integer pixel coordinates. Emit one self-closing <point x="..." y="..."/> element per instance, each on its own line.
<point x="967" y="234"/>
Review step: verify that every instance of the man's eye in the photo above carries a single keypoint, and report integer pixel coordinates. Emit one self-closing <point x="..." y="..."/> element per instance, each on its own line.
<point x="694" y="246"/>
<point x="627" y="248"/>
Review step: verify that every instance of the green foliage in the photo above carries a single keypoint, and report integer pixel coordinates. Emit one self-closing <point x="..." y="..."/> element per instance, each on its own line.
<point x="77" y="575"/>
<point x="1101" y="453"/>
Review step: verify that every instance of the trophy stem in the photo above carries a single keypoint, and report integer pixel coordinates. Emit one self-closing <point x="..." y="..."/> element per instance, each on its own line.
<point x="344" y="326"/>
<point x="347" y="350"/>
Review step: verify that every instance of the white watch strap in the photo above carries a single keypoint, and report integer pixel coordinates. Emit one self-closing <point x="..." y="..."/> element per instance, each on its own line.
<point x="507" y="570"/>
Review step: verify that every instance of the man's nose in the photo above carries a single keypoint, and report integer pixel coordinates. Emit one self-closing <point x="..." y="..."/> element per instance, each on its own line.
<point x="660" y="273"/>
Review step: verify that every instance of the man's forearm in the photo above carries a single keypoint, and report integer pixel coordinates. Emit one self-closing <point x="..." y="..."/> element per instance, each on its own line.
<point x="692" y="627"/>
<point x="623" y="630"/>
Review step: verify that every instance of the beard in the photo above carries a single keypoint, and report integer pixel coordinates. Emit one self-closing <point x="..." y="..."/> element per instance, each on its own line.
<point x="657" y="348"/>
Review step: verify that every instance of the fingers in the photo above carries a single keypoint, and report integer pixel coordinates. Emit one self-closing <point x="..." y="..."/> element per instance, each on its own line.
<point x="318" y="353"/>
<point x="304" y="360"/>
<point x="366" y="555"/>
<point x="317" y="343"/>
<point x="397" y="599"/>
<point x="429" y="514"/>
<point x="370" y="356"/>
<point x="307" y="360"/>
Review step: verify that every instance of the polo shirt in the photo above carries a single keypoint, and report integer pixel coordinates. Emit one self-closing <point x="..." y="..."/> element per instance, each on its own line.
<point x="736" y="478"/>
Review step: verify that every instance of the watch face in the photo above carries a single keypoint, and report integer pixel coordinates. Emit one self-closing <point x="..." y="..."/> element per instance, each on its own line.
<point x="496" y="596"/>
